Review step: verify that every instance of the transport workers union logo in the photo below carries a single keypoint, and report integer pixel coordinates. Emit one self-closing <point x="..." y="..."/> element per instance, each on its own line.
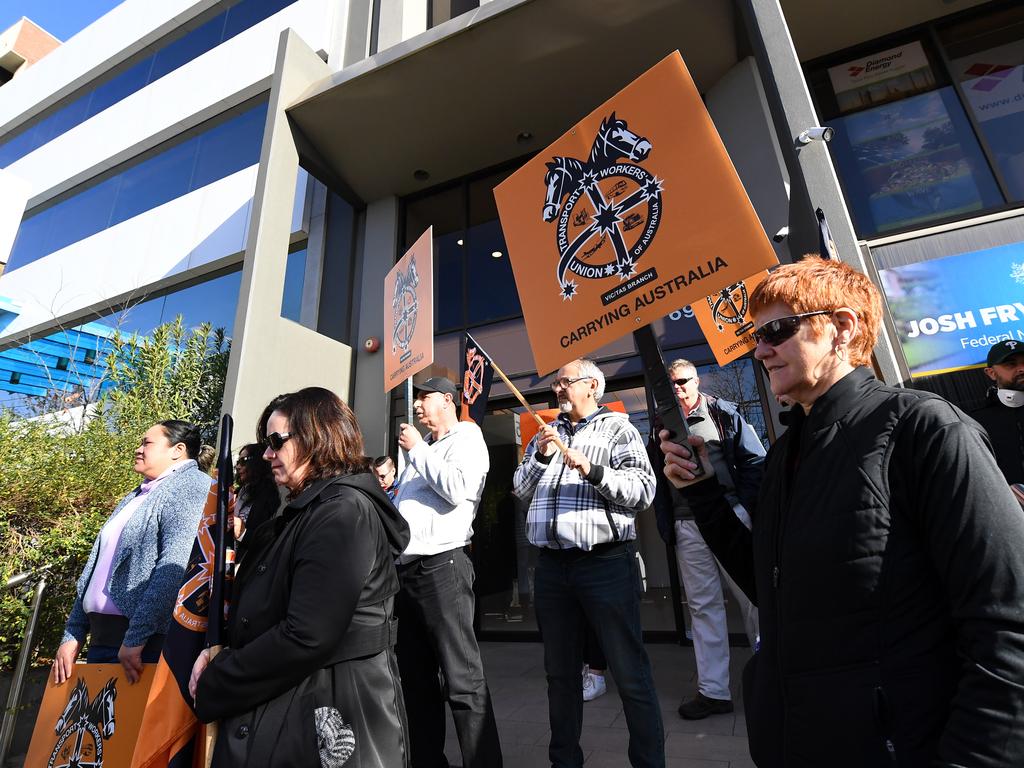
<point x="405" y="309"/>
<point x="611" y="208"/>
<point x="83" y="727"/>
<point x="729" y="307"/>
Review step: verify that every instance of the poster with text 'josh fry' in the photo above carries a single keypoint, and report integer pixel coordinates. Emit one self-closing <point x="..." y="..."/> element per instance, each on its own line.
<point x="635" y="212"/>
<point x="409" y="313"/>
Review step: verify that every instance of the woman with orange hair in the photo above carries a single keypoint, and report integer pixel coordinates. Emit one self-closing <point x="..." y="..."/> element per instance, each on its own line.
<point x="886" y="557"/>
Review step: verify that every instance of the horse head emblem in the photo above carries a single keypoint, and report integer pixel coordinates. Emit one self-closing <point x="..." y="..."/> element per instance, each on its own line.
<point x="405" y="307"/>
<point x="615" y="140"/>
<point x="617" y="206"/>
<point x="83" y="726"/>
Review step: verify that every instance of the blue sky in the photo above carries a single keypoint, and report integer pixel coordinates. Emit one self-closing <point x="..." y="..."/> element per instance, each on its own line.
<point x="62" y="18"/>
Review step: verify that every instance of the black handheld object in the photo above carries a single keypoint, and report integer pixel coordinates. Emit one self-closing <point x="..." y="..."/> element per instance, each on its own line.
<point x="223" y="536"/>
<point x="665" y="403"/>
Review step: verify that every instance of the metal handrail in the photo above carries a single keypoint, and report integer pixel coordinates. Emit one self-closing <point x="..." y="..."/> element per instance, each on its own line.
<point x="10" y="716"/>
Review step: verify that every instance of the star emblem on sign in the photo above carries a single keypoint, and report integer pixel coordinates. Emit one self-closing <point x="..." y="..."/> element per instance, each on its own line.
<point x="627" y="268"/>
<point x="607" y="218"/>
<point x="653" y="187"/>
<point x="569" y="290"/>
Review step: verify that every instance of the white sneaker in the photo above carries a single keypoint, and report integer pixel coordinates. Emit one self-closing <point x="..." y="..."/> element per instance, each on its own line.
<point x="593" y="686"/>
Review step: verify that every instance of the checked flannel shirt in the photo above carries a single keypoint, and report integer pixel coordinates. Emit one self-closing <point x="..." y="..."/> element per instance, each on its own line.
<point x="567" y="510"/>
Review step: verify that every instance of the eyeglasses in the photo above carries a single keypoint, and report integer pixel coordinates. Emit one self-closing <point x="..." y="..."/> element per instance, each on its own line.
<point x="682" y="382"/>
<point x="276" y="440"/>
<point x="565" y="382"/>
<point x="774" y="332"/>
<point x="246" y="459"/>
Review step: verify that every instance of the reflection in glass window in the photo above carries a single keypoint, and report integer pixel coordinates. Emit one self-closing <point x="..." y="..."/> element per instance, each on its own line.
<point x="72" y="360"/>
<point x="294" y="276"/>
<point x="169" y="57"/>
<point x="987" y="59"/>
<point x="443" y="10"/>
<point x="219" y="151"/>
<point x="213" y="301"/>
<point x="736" y="383"/>
<point x="912" y="161"/>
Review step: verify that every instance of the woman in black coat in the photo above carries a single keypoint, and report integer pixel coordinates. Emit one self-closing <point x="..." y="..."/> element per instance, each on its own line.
<point x="310" y="677"/>
<point x="886" y="557"/>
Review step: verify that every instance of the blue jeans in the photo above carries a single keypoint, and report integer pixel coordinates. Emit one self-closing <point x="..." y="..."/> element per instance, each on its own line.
<point x="601" y="588"/>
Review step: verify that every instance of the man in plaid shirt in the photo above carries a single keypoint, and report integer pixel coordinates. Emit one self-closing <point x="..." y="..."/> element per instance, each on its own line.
<point x="583" y="506"/>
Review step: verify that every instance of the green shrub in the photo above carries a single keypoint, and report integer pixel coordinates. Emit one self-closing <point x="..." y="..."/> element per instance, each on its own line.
<point x="60" y="479"/>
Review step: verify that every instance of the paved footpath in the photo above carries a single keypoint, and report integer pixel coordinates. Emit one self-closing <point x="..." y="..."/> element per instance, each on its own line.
<point x="515" y="673"/>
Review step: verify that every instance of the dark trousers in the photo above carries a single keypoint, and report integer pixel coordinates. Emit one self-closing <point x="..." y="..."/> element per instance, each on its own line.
<point x="107" y="654"/>
<point x="602" y="588"/>
<point x="593" y="654"/>
<point x="435" y="632"/>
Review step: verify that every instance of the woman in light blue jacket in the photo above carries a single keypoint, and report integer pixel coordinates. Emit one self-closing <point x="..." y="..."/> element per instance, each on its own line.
<point x="127" y="590"/>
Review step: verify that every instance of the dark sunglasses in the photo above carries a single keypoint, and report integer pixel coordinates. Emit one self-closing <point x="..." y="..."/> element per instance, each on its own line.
<point x="682" y="382"/>
<point x="774" y="332"/>
<point x="276" y="440"/>
<point x="246" y="459"/>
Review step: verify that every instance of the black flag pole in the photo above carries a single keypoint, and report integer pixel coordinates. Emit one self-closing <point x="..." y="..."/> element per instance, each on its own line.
<point x="223" y="537"/>
<point x="512" y="387"/>
<point x="667" y="407"/>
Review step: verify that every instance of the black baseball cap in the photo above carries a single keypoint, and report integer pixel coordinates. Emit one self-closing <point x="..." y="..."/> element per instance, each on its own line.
<point x="1001" y="352"/>
<point x="438" y="384"/>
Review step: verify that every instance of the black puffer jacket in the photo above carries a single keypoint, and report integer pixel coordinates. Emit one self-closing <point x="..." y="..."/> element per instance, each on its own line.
<point x="888" y="560"/>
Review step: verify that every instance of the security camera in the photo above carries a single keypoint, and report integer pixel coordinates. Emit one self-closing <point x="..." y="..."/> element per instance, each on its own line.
<point x="817" y="133"/>
<point x="781" y="235"/>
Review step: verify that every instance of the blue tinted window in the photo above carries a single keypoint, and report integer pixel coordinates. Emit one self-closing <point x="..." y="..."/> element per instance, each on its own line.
<point x="79" y="216"/>
<point x="191" y="46"/>
<point x="117" y="88"/>
<point x="248" y="14"/>
<point x="492" y="292"/>
<point x="169" y="57"/>
<point x="213" y="302"/>
<point x="230" y="147"/>
<point x="156" y="180"/>
<point x="448" y="276"/>
<point x="294" y="276"/>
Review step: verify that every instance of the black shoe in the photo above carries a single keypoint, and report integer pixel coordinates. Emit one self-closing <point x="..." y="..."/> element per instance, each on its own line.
<point x="700" y="706"/>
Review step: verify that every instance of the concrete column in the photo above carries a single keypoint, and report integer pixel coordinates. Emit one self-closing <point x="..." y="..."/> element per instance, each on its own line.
<point x="377" y="257"/>
<point x="813" y="179"/>
<point x="271" y="355"/>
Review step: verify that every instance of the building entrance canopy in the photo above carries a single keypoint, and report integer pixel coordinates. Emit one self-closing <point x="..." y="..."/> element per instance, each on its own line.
<point x="495" y="84"/>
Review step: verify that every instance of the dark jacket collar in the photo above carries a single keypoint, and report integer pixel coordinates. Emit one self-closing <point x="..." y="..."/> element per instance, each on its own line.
<point x="840" y="399"/>
<point x="395" y="527"/>
<point x="313" y="490"/>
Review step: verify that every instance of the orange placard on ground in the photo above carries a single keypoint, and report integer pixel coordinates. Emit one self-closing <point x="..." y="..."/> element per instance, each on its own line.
<point x="92" y="719"/>
<point x="635" y="212"/>
<point x="528" y="426"/>
<point x="724" y="317"/>
<point x="409" y="313"/>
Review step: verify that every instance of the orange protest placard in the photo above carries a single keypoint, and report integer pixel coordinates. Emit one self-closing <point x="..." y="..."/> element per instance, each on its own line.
<point x="724" y="317"/>
<point x="528" y="426"/>
<point x="409" y="313"/>
<point x="632" y="214"/>
<point x="76" y="721"/>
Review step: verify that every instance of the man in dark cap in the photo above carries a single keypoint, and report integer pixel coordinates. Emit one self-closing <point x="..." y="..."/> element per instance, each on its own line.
<point x="438" y="494"/>
<point x="1003" y="415"/>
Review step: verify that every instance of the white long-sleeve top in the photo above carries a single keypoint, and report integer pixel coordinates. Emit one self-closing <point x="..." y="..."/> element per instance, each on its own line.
<point x="440" y="488"/>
